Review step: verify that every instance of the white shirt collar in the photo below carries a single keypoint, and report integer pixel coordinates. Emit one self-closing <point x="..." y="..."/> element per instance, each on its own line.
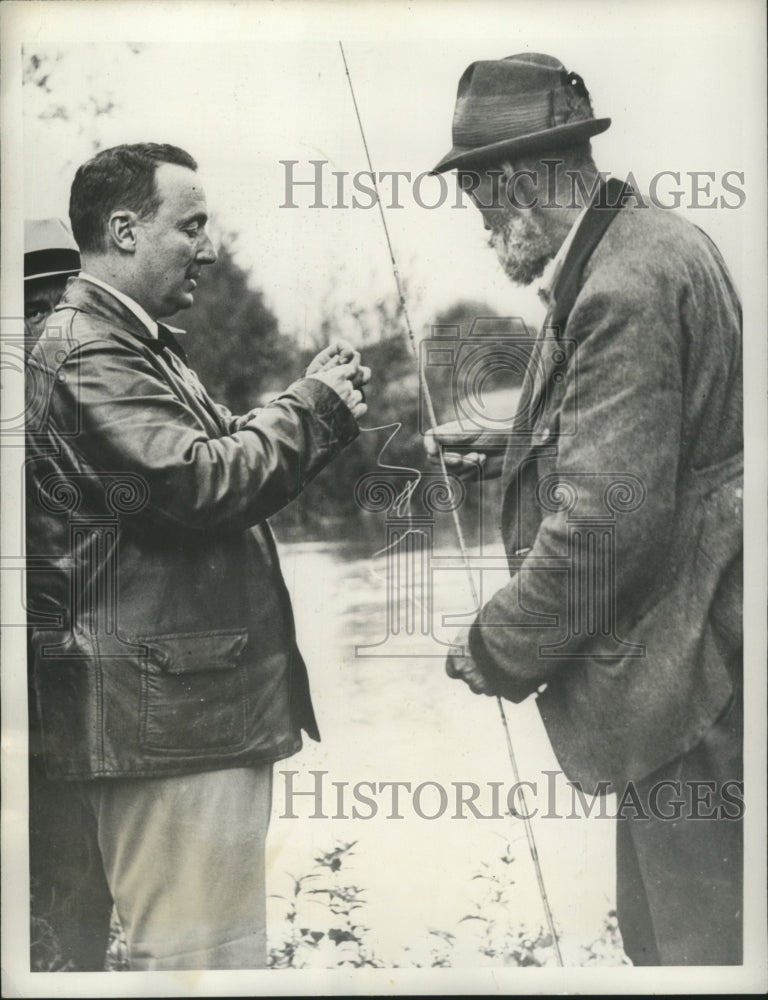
<point x="553" y="268"/>
<point x="128" y="302"/>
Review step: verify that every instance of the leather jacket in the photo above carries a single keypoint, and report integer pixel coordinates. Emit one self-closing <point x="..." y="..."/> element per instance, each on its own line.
<point x="164" y="639"/>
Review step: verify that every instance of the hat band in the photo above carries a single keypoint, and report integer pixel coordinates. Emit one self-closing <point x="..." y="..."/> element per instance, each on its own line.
<point x="480" y="121"/>
<point x="40" y="262"/>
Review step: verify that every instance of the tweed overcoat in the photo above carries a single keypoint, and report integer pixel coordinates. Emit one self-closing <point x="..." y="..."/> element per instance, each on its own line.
<point x="622" y="495"/>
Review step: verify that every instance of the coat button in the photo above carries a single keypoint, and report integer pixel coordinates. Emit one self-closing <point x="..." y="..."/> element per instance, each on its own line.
<point x="545" y="434"/>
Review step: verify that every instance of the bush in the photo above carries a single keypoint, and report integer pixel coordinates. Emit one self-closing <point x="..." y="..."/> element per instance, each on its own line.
<point x="324" y="928"/>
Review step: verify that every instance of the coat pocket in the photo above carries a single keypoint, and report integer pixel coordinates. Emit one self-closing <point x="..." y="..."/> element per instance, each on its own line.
<point x="193" y="692"/>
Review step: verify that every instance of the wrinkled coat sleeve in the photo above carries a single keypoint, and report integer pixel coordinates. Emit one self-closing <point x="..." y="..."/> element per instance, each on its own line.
<point x="625" y="401"/>
<point x="130" y="420"/>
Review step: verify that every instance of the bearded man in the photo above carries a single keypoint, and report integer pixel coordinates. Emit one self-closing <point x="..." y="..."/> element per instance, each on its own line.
<point x="621" y="504"/>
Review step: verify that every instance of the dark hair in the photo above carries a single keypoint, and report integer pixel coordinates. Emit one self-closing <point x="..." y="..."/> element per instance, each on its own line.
<point x="120" y="177"/>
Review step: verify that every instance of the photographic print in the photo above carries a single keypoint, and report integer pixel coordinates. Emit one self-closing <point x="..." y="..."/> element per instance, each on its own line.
<point x="383" y="425"/>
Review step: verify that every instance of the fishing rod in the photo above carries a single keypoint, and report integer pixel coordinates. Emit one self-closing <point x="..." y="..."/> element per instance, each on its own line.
<point x="427" y="396"/>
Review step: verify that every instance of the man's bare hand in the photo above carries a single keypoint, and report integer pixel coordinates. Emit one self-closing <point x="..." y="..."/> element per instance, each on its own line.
<point x="340" y="379"/>
<point x="464" y="667"/>
<point x="455" y="443"/>
<point x="340" y="352"/>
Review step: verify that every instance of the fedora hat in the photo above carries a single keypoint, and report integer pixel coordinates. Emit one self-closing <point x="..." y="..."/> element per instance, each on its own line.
<point x="49" y="249"/>
<point x="520" y="104"/>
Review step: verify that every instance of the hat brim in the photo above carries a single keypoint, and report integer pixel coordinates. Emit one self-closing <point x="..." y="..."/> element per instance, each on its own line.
<point x="51" y="261"/>
<point x="52" y="274"/>
<point x="561" y="135"/>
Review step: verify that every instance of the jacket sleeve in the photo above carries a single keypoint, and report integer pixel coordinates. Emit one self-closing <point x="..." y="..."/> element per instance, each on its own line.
<point x="624" y="399"/>
<point x="236" y="423"/>
<point x="129" y="420"/>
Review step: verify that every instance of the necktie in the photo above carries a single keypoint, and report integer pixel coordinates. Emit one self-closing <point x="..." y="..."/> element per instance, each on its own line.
<point x="169" y="342"/>
<point x="176" y="358"/>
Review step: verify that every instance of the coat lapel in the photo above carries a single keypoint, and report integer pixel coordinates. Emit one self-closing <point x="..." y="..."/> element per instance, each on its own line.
<point x="553" y="355"/>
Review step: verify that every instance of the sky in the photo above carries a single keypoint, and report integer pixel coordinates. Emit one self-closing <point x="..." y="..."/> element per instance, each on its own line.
<point x="277" y="91"/>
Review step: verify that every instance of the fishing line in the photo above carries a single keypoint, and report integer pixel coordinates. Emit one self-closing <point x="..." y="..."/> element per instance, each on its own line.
<point x="427" y="396"/>
<point x="401" y="505"/>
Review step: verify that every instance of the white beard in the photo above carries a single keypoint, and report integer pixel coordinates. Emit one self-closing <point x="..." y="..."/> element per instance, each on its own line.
<point x="522" y="248"/>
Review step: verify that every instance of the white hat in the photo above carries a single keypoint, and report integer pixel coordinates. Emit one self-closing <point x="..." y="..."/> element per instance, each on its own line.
<point x="49" y="249"/>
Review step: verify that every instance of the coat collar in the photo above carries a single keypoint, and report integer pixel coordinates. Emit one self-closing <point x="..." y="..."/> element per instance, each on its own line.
<point x="552" y="274"/>
<point x="127" y="301"/>
<point x="550" y="361"/>
<point x="610" y="196"/>
<point x="95" y="300"/>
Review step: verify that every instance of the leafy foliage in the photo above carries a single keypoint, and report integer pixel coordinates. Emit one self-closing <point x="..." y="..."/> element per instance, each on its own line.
<point x="492" y="934"/>
<point x="232" y="337"/>
<point x="45" y="951"/>
<point x="392" y="430"/>
<point x="337" y="938"/>
<point x="323" y="928"/>
<point x="117" y="950"/>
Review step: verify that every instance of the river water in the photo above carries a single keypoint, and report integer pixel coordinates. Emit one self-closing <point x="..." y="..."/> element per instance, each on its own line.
<point x="389" y="715"/>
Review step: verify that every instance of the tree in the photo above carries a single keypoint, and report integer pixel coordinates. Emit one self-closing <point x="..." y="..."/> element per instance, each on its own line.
<point x="232" y="339"/>
<point x="392" y="430"/>
<point x="72" y="101"/>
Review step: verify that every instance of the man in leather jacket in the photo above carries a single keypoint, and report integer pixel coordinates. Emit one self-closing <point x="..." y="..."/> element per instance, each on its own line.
<point x="166" y="671"/>
<point x="621" y="504"/>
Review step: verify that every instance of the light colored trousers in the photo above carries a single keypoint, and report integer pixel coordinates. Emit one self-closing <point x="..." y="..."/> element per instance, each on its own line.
<point x="184" y="859"/>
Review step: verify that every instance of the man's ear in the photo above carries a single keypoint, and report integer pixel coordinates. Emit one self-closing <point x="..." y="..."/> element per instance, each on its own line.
<point x="122" y="230"/>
